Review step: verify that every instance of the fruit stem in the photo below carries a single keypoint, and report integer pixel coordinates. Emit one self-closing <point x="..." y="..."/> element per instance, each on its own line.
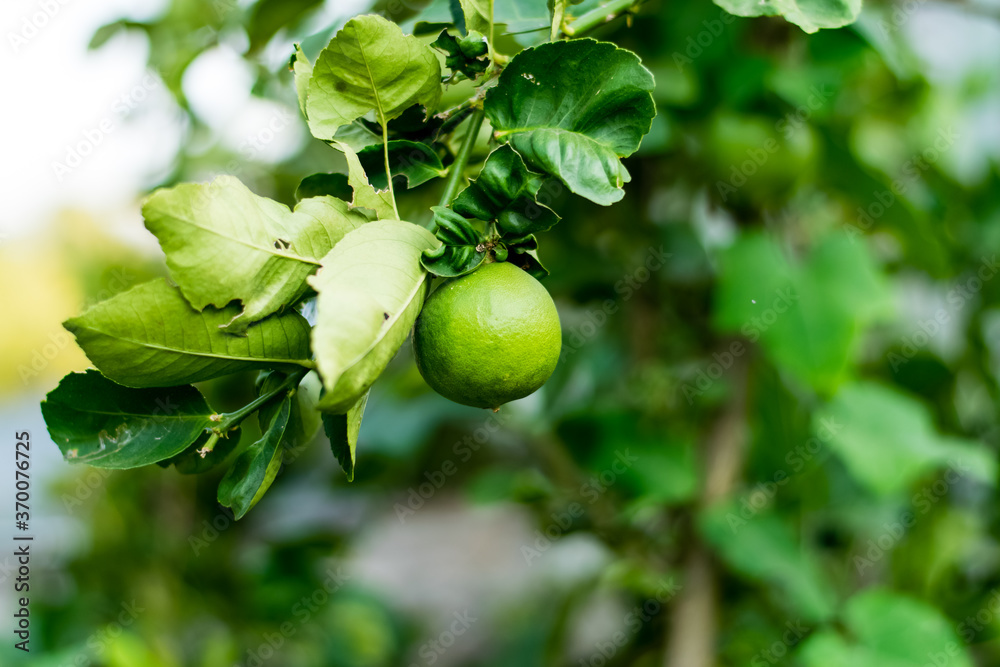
<point x="596" y="17"/>
<point x="227" y="421"/>
<point x="457" y="173"/>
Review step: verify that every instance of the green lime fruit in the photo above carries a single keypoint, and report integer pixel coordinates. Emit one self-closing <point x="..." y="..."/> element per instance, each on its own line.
<point x="489" y="337"/>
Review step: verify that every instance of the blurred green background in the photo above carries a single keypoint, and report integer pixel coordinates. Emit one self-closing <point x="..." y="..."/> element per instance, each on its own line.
<point x="772" y="438"/>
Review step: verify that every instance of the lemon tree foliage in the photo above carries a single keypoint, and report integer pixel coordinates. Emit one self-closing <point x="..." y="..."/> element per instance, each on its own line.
<point x="576" y="128"/>
<point x="103" y="424"/>
<point x="810" y="15"/>
<point x="370" y="289"/>
<point x="316" y="296"/>
<point x="224" y="243"/>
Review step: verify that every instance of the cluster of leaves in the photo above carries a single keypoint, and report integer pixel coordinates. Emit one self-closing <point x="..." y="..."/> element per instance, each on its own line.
<point x="245" y="270"/>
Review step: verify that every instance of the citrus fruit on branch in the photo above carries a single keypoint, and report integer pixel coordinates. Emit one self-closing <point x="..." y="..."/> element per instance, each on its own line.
<point x="489" y="337"/>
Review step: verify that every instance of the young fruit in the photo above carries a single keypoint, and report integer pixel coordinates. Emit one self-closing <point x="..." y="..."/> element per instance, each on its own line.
<point x="489" y="337"/>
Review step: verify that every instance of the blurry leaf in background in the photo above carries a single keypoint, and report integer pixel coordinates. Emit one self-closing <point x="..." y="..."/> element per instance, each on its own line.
<point x="810" y="15"/>
<point x="887" y="630"/>
<point x="760" y="546"/>
<point x="810" y="316"/>
<point x="887" y="440"/>
<point x="100" y="423"/>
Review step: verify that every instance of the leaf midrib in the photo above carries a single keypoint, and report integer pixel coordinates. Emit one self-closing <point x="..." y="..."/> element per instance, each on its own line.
<point x="211" y="355"/>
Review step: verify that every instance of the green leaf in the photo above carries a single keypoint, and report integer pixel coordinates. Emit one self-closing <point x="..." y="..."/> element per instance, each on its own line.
<point x="195" y="460"/>
<point x="320" y="185"/>
<point x="343" y="433"/>
<point x="505" y="192"/>
<point x="304" y="421"/>
<point x="462" y="249"/>
<point x="302" y="70"/>
<point x="572" y="109"/>
<point x="224" y="243"/>
<point x="365" y="195"/>
<point x="150" y="336"/>
<point x="269" y="16"/>
<point x="809" y="316"/>
<point x="253" y="472"/>
<point x="466" y="55"/>
<point x="414" y="161"/>
<point x="370" y="66"/>
<point x="887" y="630"/>
<point x="478" y="15"/>
<point x="763" y="548"/>
<point x="523" y="253"/>
<point x="100" y="423"/>
<point x="887" y="440"/>
<point x="810" y="15"/>
<point x="371" y="289"/>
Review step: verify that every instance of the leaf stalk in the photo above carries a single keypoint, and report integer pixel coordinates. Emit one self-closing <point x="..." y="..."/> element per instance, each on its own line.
<point x="457" y="171"/>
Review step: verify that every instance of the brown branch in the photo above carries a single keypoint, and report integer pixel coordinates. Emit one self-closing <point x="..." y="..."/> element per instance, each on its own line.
<point x="693" y="624"/>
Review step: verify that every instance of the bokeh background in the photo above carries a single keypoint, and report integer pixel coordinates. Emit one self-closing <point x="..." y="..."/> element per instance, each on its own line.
<point x="772" y="438"/>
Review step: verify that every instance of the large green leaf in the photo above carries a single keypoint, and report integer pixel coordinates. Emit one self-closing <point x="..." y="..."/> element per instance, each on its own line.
<point x="573" y="109"/>
<point x="763" y="548"/>
<point x="416" y="162"/>
<point x="343" y="433"/>
<point x="887" y="440"/>
<point x="370" y="66"/>
<point x="887" y="630"/>
<point x="371" y="289"/>
<point x="150" y="336"/>
<point x="253" y="471"/>
<point x="224" y="243"/>
<point x="810" y="15"/>
<point x="100" y="423"/>
<point x="505" y="192"/>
